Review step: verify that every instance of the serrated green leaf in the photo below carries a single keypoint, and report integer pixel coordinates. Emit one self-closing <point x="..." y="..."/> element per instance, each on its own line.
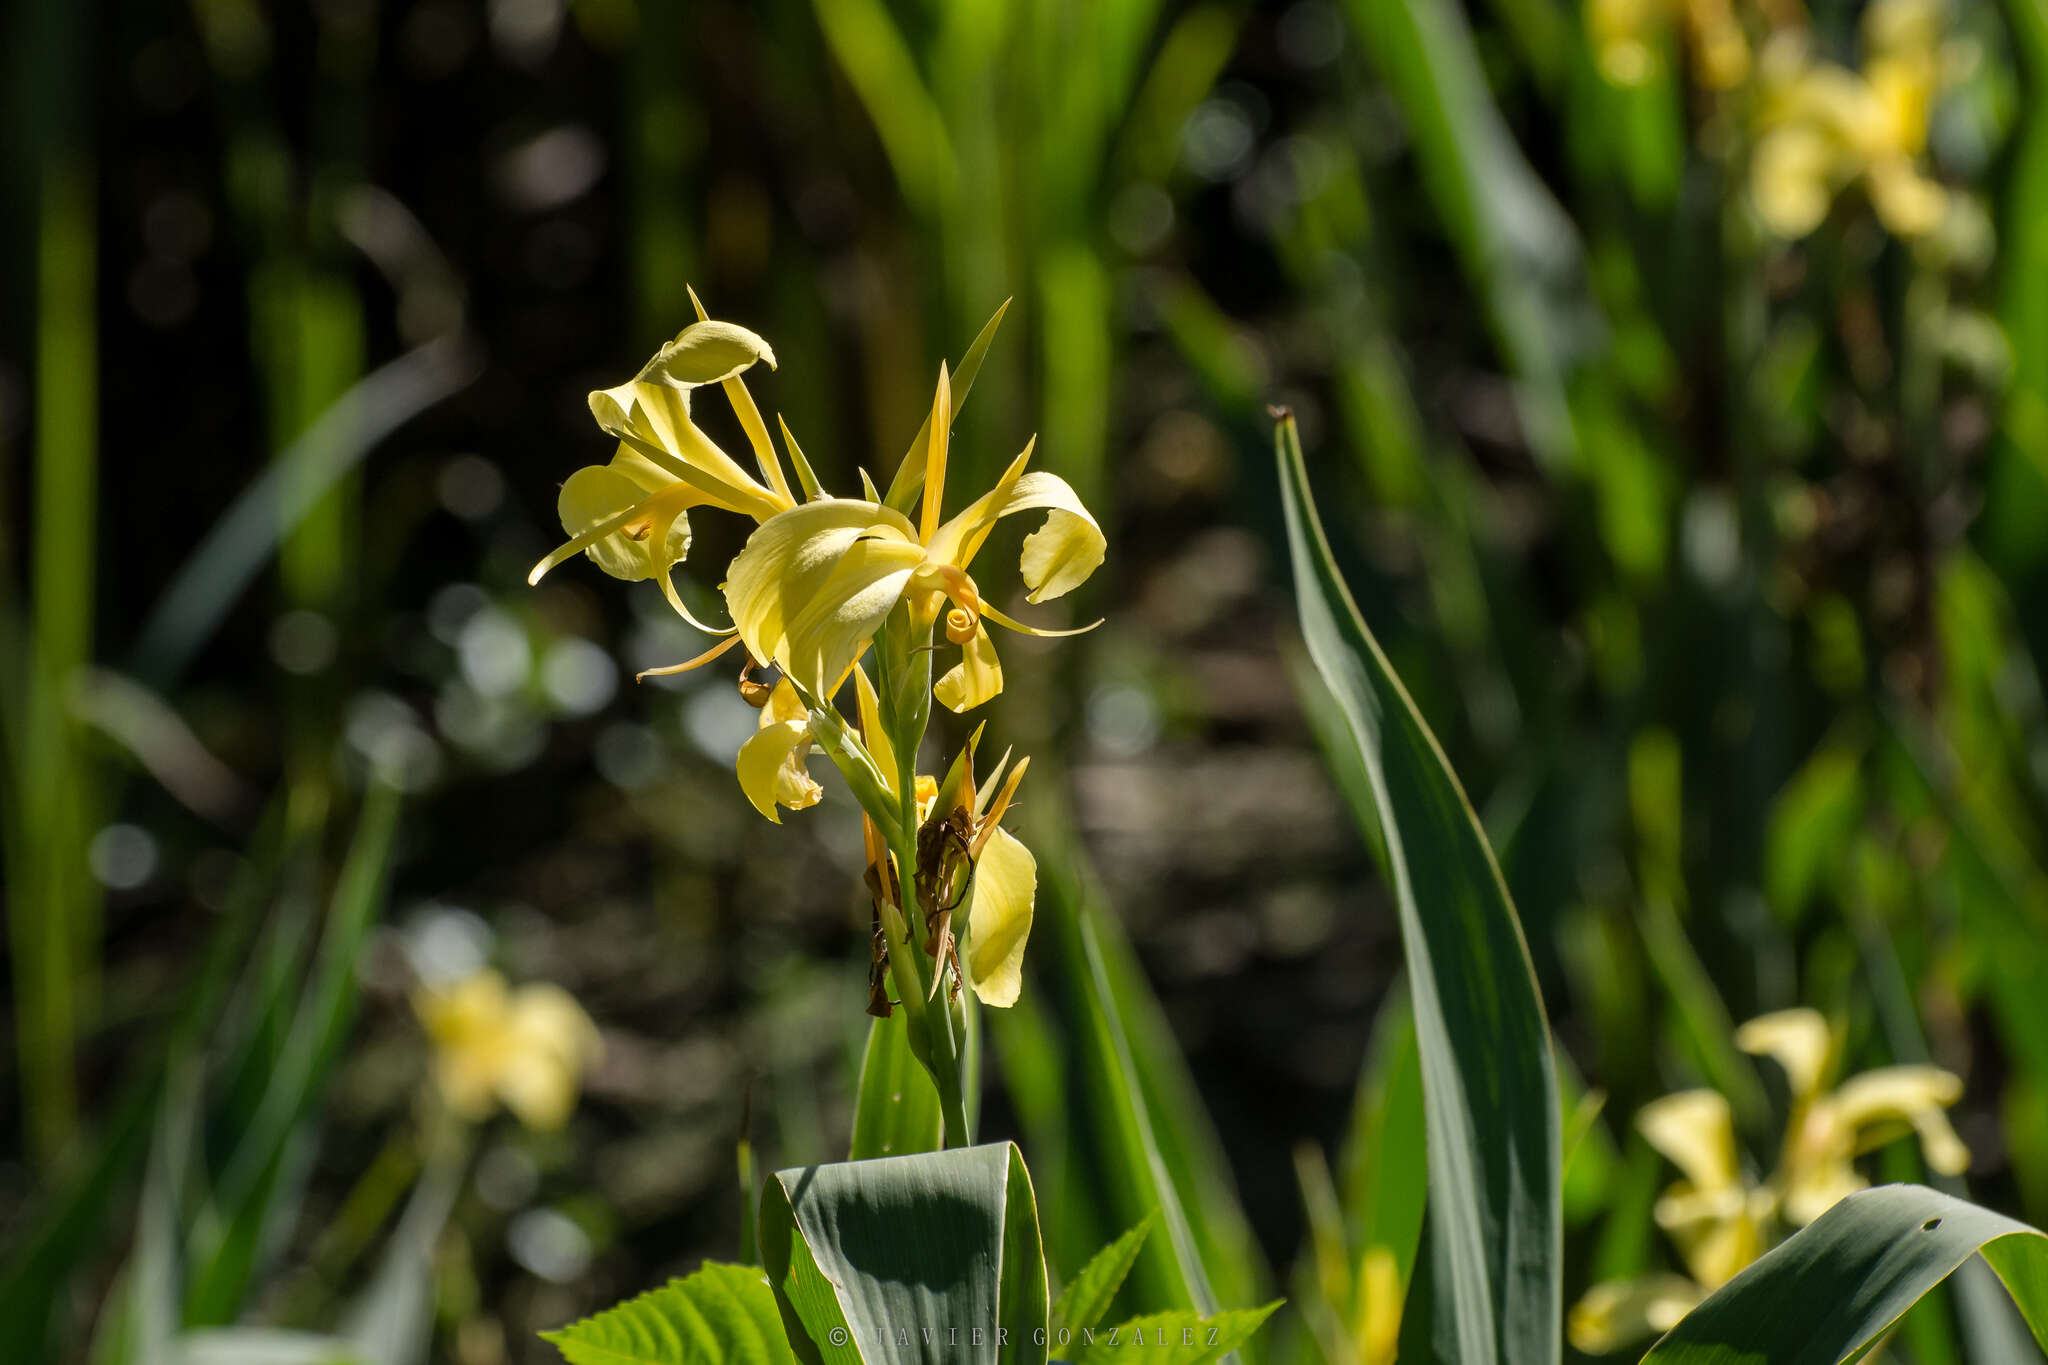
<point x="897" y="1110"/>
<point x="1086" y="1299"/>
<point x="932" y="1257"/>
<point x="1838" y="1285"/>
<point x="1180" y="1338"/>
<point x="721" y="1315"/>
<point x="1489" y="1081"/>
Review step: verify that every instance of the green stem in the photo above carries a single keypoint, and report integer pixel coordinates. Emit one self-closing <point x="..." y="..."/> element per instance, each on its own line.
<point x="903" y="671"/>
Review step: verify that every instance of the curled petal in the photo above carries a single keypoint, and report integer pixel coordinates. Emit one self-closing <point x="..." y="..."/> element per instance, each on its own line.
<point x="1696" y="1131"/>
<point x="1872" y="1104"/>
<point x="1800" y="1042"/>
<point x="1008" y="623"/>
<point x="771" y="768"/>
<point x="977" y="677"/>
<point x="643" y="546"/>
<point x="999" y="918"/>
<point x="813" y="584"/>
<point x="1058" y="556"/>
<point x="650" y="414"/>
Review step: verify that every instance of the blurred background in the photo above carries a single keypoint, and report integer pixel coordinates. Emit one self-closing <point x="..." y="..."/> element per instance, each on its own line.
<point x="1675" y="377"/>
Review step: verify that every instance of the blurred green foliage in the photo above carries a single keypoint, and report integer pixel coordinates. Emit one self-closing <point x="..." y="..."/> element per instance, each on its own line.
<point x="1716" y="559"/>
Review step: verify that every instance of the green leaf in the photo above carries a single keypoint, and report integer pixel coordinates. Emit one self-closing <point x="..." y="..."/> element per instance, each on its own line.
<point x="930" y="1257"/>
<point x="232" y="1231"/>
<point x="1489" y="1081"/>
<point x="1836" y="1286"/>
<point x="1385" y="1161"/>
<point x="1180" y="1338"/>
<point x="909" y="477"/>
<point x="722" y="1313"/>
<point x="1083" y="1302"/>
<point x="897" y="1110"/>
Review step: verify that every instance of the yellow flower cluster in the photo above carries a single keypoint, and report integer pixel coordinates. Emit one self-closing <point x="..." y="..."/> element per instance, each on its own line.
<point x="1816" y="127"/>
<point x="816" y="582"/>
<point x="1822" y="126"/>
<point x="1718" y="1218"/>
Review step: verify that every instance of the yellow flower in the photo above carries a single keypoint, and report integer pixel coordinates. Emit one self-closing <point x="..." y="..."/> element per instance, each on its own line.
<point x="526" y="1049"/>
<point x="1821" y="126"/>
<point x="1000" y="900"/>
<point x="1715" y="1216"/>
<point x="1829" y="1129"/>
<point x="631" y="516"/>
<point x="814" y="583"/>
<point x="771" y="762"/>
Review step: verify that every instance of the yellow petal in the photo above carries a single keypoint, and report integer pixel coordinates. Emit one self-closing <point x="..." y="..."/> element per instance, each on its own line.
<point x="1717" y="1250"/>
<point x="707" y="353"/>
<point x="1622" y="1313"/>
<point x="598" y="495"/>
<point x="465" y="1010"/>
<point x="1379" y="1306"/>
<point x="1791" y="179"/>
<point x="1695" y="1130"/>
<point x="1058" y="556"/>
<point x="999" y="918"/>
<point x="1818" y="1187"/>
<point x="551" y="1042"/>
<point x="989" y="613"/>
<point x="940" y="429"/>
<point x="1907" y="202"/>
<point x="960" y="539"/>
<point x="784" y="705"/>
<point x="977" y="677"/>
<point x="872" y="732"/>
<point x="813" y="584"/>
<point x="1914" y="1095"/>
<point x="771" y="768"/>
<point x="1799" y="1041"/>
<point x="650" y="413"/>
<point x="467" y="1081"/>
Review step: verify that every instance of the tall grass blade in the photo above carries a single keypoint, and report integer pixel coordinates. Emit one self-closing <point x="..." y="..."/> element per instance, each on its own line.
<point x="1489" y="1082"/>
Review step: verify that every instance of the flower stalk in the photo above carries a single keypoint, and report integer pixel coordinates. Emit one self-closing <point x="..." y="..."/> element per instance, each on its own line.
<point x="936" y="1015"/>
<point x="822" y="585"/>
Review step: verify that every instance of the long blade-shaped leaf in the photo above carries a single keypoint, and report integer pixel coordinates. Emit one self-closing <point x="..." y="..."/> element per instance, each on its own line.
<point x="897" y="1111"/>
<point x="1489" y="1082"/>
<point x="1841" y="1283"/>
<point x="932" y="1257"/>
